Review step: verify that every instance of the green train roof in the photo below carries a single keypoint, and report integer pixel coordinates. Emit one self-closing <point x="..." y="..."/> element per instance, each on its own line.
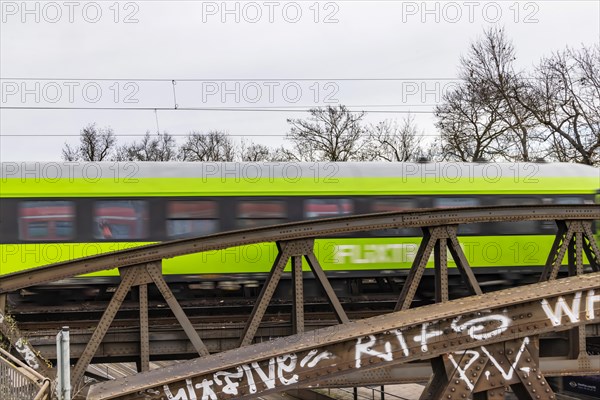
<point x="77" y="179"/>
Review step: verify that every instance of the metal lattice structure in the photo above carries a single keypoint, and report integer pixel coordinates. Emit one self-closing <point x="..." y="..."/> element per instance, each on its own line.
<point x="468" y="342"/>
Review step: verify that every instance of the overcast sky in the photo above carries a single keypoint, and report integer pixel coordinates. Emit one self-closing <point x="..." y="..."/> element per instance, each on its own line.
<point x="275" y="58"/>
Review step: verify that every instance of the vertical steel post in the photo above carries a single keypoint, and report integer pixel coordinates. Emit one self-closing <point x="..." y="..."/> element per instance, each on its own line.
<point x="63" y="362"/>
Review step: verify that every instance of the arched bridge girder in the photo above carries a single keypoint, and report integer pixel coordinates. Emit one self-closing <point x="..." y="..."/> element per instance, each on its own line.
<point x="293" y="231"/>
<point x="512" y="316"/>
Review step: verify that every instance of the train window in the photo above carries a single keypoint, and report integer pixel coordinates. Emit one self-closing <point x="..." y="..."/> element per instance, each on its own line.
<point x="441" y="202"/>
<point x="520" y="227"/>
<point x="568" y="200"/>
<point x="120" y="219"/>
<point x="254" y="213"/>
<point x="37" y="230"/>
<point x="64" y="229"/>
<point x="324" y="208"/>
<point x="191" y="218"/>
<point x="46" y="220"/>
<point x="384" y="205"/>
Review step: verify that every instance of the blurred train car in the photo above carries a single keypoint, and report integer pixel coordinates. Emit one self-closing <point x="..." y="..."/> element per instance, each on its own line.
<point x="53" y="212"/>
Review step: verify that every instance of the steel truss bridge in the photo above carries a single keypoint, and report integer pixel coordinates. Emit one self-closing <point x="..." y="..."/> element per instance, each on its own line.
<point x="473" y="347"/>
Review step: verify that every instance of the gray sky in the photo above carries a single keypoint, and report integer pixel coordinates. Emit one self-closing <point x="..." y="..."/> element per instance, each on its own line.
<point x="276" y="56"/>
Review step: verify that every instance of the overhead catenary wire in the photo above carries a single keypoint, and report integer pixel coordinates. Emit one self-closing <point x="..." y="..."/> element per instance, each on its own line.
<point x="231" y="109"/>
<point x="174" y="135"/>
<point x="218" y="79"/>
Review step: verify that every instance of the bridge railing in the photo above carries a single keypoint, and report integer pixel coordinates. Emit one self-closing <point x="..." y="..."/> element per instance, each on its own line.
<point x="20" y="382"/>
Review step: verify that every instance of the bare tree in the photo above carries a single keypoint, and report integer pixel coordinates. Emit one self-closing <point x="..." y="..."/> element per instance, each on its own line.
<point x="554" y="110"/>
<point x="94" y="145"/>
<point x="151" y="148"/>
<point x="564" y="97"/>
<point x="489" y="65"/>
<point x="254" y="152"/>
<point x="329" y="134"/>
<point x="391" y="141"/>
<point x="469" y="123"/>
<point x="211" y="146"/>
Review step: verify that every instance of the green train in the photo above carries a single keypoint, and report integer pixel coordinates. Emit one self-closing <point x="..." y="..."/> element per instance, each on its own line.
<point x="52" y="212"/>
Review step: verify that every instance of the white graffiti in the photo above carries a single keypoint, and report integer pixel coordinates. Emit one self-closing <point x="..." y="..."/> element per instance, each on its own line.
<point x="474" y="327"/>
<point x="284" y="370"/>
<point x="231" y="385"/>
<point x="475" y="355"/>
<point x="277" y="370"/>
<point x="425" y="336"/>
<point x="571" y="311"/>
<point x="311" y="363"/>
<point x="462" y="372"/>
<point x="367" y="348"/>
<point x="511" y="369"/>
<point x="28" y="355"/>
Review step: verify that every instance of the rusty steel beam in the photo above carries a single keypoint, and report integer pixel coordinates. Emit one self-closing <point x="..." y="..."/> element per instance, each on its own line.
<point x="418" y="268"/>
<point x="128" y="276"/>
<point x="422" y="372"/>
<point x="592" y="250"/>
<point x="294" y="250"/>
<point x="155" y="272"/>
<point x="144" y="330"/>
<point x="490" y="369"/>
<point x="440" y="255"/>
<point x="573" y="238"/>
<point x="462" y="264"/>
<point x="438" y="240"/>
<point x="10" y="331"/>
<point x="415" y="334"/>
<point x="293" y="231"/>
<point x="266" y="294"/>
<point x="332" y="298"/>
<point x="298" y="301"/>
<point x="139" y="275"/>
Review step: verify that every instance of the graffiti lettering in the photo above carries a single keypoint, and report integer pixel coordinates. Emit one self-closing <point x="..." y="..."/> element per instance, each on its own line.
<point x="475" y="326"/>
<point x="410" y="341"/>
<point x="367" y="348"/>
<point x="462" y="372"/>
<point x="475" y="355"/>
<point x="425" y="336"/>
<point x="280" y="369"/>
<point x="27" y="354"/>
<point x="561" y="306"/>
<point x="507" y="375"/>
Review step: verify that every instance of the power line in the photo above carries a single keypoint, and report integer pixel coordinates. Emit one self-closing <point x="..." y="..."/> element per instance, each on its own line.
<point x="276" y="135"/>
<point x="230" y="109"/>
<point x="230" y="79"/>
